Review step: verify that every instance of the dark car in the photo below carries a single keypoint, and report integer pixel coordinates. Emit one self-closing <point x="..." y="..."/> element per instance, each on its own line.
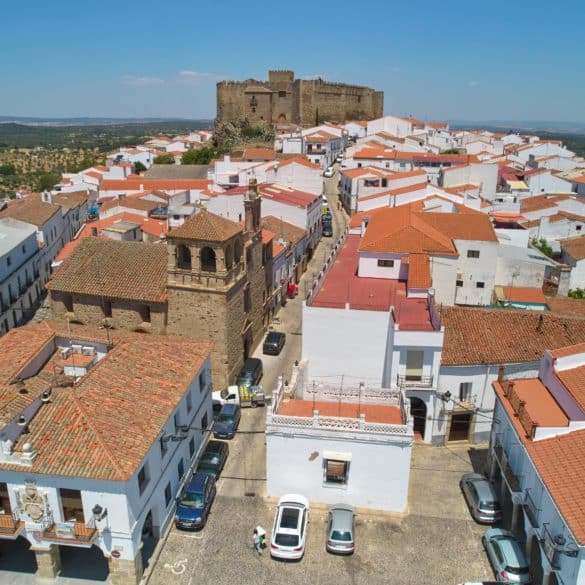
<point x="274" y="343"/>
<point x="194" y="503"/>
<point x="251" y="373"/>
<point x="213" y="458"/>
<point x="227" y="422"/>
<point x="327" y="230"/>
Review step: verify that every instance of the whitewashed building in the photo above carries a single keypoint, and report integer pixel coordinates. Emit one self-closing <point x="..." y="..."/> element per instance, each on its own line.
<point x="350" y="445"/>
<point x="105" y="431"/>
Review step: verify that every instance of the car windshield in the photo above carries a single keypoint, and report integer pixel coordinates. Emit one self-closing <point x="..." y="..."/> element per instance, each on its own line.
<point x="226" y="418"/>
<point x="209" y="459"/>
<point x="286" y="539"/>
<point x="489" y="506"/>
<point x="205" y="466"/>
<point x="190" y="500"/>
<point x="341" y="536"/>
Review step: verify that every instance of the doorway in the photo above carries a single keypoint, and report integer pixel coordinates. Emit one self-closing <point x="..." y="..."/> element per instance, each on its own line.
<point x="149" y="539"/>
<point x="414" y="364"/>
<point x="460" y="425"/>
<point x="418" y="410"/>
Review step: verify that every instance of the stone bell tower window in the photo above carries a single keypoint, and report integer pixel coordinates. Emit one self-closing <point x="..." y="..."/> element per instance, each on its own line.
<point x="183" y="257"/>
<point x="208" y="262"/>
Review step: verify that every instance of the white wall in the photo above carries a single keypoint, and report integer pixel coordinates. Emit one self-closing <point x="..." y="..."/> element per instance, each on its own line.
<point x="368" y="265"/>
<point x="345" y="341"/>
<point x="474" y="270"/>
<point x="378" y="471"/>
<point x="297" y="176"/>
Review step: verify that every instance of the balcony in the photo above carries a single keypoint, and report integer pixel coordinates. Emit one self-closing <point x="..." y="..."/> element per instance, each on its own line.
<point x="76" y="533"/>
<point x="531" y="509"/>
<point x="414" y="381"/>
<point x="10" y="527"/>
<point x="509" y="476"/>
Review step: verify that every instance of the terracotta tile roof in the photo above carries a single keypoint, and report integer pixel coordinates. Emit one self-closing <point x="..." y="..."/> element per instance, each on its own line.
<point x="569" y="350"/>
<point x="539" y="202"/>
<point x="71" y="199"/>
<point x="267" y="236"/>
<point x="321" y="136"/>
<point x="284" y="231"/>
<point x="524" y="294"/>
<point x="491" y="336"/>
<point x="463" y="226"/>
<point x="574" y="381"/>
<point x="366" y="171"/>
<point x="122" y="270"/>
<point x="419" y="271"/>
<point x="207" y="226"/>
<point x="575" y="247"/>
<point x="277" y="249"/>
<point x="566" y="306"/>
<point x="374" y="413"/>
<point x="134" y="183"/>
<point x="130" y="203"/>
<point x="83" y="430"/>
<point x="401" y="191"/>
<point x="259" y="154"/>
<point x="31" y="210"/>
<point x="280" y="194"/>
<point x="298" y="159"/>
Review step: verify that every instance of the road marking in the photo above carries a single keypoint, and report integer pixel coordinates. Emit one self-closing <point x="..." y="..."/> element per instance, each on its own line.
<point x="177" y="568"/>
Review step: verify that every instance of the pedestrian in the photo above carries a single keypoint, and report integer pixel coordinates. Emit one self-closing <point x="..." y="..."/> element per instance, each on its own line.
<point x="257" y="542"/>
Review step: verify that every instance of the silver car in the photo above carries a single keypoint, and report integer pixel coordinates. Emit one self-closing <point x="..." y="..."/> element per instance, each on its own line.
<point x="481" y="498"/>
<point x="506" y="556"/>
<point x="341" y="529"/>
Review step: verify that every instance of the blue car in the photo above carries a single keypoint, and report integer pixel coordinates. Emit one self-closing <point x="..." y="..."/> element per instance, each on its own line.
<point x="506" y="556"/>
<point x="195" y="501"/>
<point x="227" y="422"/>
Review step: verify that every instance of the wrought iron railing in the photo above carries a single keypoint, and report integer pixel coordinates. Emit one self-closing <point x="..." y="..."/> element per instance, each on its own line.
<point x="531" y="509"/>
<point x="414" y="381"/>
<point x="509" y="476"/>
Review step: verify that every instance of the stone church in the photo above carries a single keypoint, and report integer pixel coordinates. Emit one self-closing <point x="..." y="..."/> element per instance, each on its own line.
<point x="304" y="102"/>
<point x="210" y="282"/>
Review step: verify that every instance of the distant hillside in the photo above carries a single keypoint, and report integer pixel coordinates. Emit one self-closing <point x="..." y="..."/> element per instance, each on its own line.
<point x="101" y="136"/>
<point x="527" y="126"/>
<point x="87" y="121"/>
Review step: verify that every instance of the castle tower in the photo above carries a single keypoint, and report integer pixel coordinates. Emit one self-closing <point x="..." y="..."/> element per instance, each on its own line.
<point x="206" y="289"/>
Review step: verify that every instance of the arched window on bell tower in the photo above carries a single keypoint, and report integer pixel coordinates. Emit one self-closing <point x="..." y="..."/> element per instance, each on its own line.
<point x="208" y="261"/>
<point x="183" y="257"/>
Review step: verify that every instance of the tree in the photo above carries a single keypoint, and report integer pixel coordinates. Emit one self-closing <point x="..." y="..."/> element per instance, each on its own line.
<point x="47" y="181"/>
<point x="201" y="156"/>
<point x="543" y="246"/>
<point x="7" y="169"/>
<point x="139" y="167"/>
<point x="450" y="151"/>
<point x="164" y="159"/>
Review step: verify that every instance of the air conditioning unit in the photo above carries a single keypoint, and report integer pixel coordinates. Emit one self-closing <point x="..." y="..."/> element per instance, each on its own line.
<point x="65" y="352"/>
<point x="88" y="350"/>
<point x="76" y="348"/>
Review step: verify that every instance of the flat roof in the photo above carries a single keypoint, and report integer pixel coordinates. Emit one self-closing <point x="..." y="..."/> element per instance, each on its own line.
<point x="343" y="286"/>
<point x="374" y="413"/>
<point x="13" y="232"/>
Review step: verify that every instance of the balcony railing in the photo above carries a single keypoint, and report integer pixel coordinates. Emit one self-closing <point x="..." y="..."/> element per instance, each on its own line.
<point x="531" y="509"/>
<point x="509" y="476"/>
<point x="73" y="532"/>
<point x="10" y="526"/>
<point x="414" y="381"/>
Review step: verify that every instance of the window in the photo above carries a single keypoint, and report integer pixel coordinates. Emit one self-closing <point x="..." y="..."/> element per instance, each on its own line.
<point x="163" y="448"/>
<point x="4" y="499"/>
<point x="191" y="447"/>
<point x="473" y="253"/>
<point x="176" y="420"/>
<point x="202" y="381"/>
<point x="181" y="469"/>
<point x="578" y="228"/>
<point x="458" y="283"/>
<point x="336" y="472"/>
<point x="23" y="249"/>
<point x="282" y="94"/>
<point x="465" y="391"/>
<point x="480" y="284"/>
<point x="204" y="422"/>
<point x="8" y="260"/>
<point x="72" y="505"/>
<point x="107" y="309"/>
<point x="142" y="479"/>
<point x="189" y="402"/>
<point x="168" y="494"/>
<point x="68" y="302"/>
<point x="145" y="313"/>
<point x="386" y="263"/>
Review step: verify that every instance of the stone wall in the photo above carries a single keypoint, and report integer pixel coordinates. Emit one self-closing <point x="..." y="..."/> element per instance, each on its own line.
<point x="296" y="101"/>
<point x="128" y="315"/>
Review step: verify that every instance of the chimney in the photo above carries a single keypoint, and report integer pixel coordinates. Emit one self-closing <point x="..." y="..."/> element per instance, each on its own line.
<point x="539" y="324"/>
<point x="501" y="372"/>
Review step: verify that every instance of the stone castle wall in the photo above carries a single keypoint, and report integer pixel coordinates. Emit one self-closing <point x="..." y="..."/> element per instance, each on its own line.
<point x="296" y="101"/>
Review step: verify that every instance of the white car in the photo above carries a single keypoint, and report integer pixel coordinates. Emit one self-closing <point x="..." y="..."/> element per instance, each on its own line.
<point x="289" y="533"/>
<point x="329" y="172"/>
<point x="339" y="158"/>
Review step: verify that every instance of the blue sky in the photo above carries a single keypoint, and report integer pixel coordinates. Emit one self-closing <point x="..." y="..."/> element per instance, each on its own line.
<point x="436" y="60"/>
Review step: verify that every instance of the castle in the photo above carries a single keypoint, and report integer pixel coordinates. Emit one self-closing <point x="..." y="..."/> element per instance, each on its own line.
<point x="286" y="100"/>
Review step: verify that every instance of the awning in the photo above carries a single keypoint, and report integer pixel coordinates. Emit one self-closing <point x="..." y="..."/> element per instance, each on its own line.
<point x="336" y="455"/>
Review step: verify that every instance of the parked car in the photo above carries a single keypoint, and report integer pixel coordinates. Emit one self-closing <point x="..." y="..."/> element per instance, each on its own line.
<point x="274" y="343"/>
<point x="329" y="172"/>
<point x="251" y="373"/>
<point x="243" y="395"/>
<point x="327" y="230"/>
<point x="194" y="503"/>
<point x="289" y="533"/>
<point x="506" y="556"/>
<point x="481" y="498"/>
<point x="227" y="422"/>
<point x="213" y="458"/>
<point x="338" y="158"/>
<point x="341" y="529"/>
